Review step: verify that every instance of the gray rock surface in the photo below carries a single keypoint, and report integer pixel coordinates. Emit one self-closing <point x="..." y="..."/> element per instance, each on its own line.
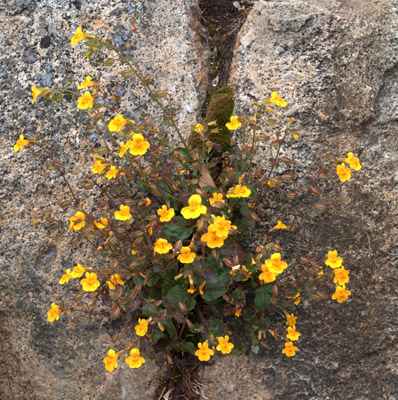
<point x="335" y="62"/>
<point x="43" y="361"/>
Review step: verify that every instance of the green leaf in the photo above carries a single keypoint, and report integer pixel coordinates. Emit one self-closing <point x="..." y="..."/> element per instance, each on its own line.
<point x="214" y="290"/>
<point x="213" y="325"/>
<point x="184" y="152"/>
<point x="138" y="280"/>
<point x="164" y="190"/>
<point x="176" y="231"/>
<point x="169" y="327"/>
<point x="157" y="335"/>
<point x="262" y="298"/>
<point x="150" y="310"/>
<point x="244" y="208"/>
<point x="152" y="280"/>
<point x="188" y="347"/>
<point x="176" y="294"/>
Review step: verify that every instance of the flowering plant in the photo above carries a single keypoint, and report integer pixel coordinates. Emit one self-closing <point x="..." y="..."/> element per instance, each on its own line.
<point x="177" y="225"/>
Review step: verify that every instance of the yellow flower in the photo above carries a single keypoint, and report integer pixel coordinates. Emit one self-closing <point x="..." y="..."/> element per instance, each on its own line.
<point x="81" y="218"/>
<point x="275" y="264"/>
<point x="123" y="149"/>
<point x="279" y="225"/>
<point x="247" y="273"/>
<point x="147" y="202"/>
<point x="333" y="261"/>
<point x="133" y="252"/>
<point x="85" y="101"/>
<point x="343" y="173"/>
<point x="341" y="294"/>
<point x="290" y="349"/>
<point x="353" y="161"/>
<point x="239" y="191"/>
<point x="270" y="184"/>
<point x="292" y="334"/>
<point x="78" y="36"/>
<point x="186" y="256"/>
<point x="102" y="223"/>
<point x="36" y="92"/>
<point x="123" y="214"/>
<point x="53" y="313"/>
<point x="296" y="298"/>
<point x="114" y="280"/>
<point x="217" y="197"/>
<point x="162" y="246"/>
<point x="87" y="83"/>
<point x="223" y="345"/>
<point x="238" y="313"/>
<point x="117" y="123"/>
<point x="200" y="288"/>
<point x="112" y="173"/>
<point x="138" y="146"/>
<point x="66" y="277"/>
<point x="134" y="360"/>
<point x="78" y="271"/>
<point x="90" y="283"/>
<point x="98" y="166"/>
<point x="165" y="214"/>
<point x="142" y="328"/>
<point x="277" y="100"/>
<point x="111" y="361"/>
<point x="211" y="238"/>
<point x="191" y="287"/>
<point x="267" y="276"/>
<point x="233" y="123"/>
<point x="21" y="142"/>
<point x="222" y="226"/>
<point x="204" y="352"/>
<point x="195" y="208"/>
<point x="198" y="129"/>
<point x="341" y="276"/>
<point x="291" y="319"/>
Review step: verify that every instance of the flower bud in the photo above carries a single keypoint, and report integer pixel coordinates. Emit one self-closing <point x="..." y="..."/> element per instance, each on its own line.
<point x="292" y="195"/>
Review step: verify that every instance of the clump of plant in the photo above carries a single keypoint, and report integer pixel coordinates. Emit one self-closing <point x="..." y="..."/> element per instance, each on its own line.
<point x="175" y="222"/>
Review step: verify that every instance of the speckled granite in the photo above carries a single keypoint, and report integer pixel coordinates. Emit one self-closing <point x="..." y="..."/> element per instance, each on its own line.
<point x="335" y="62"/>
<point x="61" y="361"/>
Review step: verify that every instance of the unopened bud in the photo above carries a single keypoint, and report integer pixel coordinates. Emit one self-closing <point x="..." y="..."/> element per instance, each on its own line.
<point x="305" y="260"/>
<point x="275" y="180"/>
<point x="182" y="307"/>
<point x="288" y="177"/>
<point x="315" y="190"/>
<point x="254" y="217"/>
<point x="321" y="207"/>
<point x="319" y="296"/>
<point x="286" y="160"/>
<point x="292" y="195"/>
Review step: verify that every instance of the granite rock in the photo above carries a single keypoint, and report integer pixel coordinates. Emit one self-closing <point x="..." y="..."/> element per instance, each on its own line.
<point x="62" y="360"/>
<point x="335" y="63"/>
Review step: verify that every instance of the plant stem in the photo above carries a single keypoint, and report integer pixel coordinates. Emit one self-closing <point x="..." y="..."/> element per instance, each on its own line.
<point x="171" y="119"/>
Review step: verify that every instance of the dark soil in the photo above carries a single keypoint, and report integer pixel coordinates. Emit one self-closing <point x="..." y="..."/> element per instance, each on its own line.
<point x="222" y="21"/>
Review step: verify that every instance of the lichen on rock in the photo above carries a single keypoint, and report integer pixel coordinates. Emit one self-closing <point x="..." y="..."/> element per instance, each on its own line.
<point x="220" y="109"/>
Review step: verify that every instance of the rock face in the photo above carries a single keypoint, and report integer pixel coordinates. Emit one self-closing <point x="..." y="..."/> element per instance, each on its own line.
<point x="46" y="361"/>
<point x="335" y="62"/>
<point x="336" y="65"/>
